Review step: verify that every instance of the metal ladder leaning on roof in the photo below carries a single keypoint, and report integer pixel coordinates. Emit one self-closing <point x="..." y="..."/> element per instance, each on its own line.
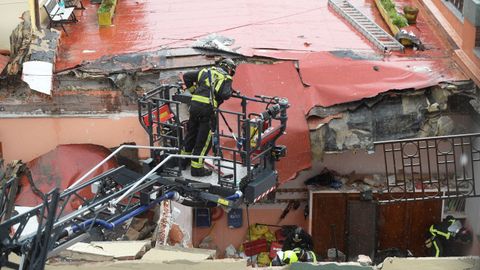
<point x="367" y="27"/>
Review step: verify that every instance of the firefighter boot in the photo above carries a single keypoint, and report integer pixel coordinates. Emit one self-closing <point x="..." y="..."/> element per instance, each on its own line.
<point x="200" y="172"/>
<point x="184" y="163"/>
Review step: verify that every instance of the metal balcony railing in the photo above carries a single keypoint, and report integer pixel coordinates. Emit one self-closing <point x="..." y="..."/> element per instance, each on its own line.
<point x="431" y="168"/>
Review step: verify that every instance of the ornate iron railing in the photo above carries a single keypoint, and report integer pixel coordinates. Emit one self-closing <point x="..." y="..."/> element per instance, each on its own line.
<point x="431" y="168"/>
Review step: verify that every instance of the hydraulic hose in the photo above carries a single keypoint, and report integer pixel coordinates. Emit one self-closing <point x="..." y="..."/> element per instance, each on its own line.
<point x="111" y="225"/>
<point x="238" y="194"/>
<point x="191" y="203"/>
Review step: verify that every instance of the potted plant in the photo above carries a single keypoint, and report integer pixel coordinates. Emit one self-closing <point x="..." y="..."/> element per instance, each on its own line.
<point x="394" y="20"/>
<point x="105" y="12"/>
<point x="410" y="13"/>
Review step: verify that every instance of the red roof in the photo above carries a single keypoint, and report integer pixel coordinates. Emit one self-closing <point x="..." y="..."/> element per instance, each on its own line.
<point x="304" y="25"/>
<point x="303" y="30"/>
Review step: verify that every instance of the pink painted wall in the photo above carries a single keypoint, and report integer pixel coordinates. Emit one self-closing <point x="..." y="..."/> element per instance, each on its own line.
<point x="464" y="29"/>
<point x="27" y="138"/>
<point x="269" y="214"/>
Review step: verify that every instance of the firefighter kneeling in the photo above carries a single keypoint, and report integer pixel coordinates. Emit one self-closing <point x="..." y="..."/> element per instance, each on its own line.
<point x="292" y="256"/>
<point x="441" y="237"/>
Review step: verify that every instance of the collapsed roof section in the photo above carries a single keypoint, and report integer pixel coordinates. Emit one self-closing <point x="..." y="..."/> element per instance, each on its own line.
<point x="444" y="109"/>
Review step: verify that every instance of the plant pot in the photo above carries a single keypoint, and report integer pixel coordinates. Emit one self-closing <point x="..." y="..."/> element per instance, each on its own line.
<point x="105" y="18"/>
<point x="105" y="12"/>
<point x="411" y="14"/>
<point x="387" y="18"/>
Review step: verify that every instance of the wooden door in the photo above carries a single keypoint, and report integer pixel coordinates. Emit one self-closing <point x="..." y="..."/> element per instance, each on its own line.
<point x="404" y="225"/>
<point x="361" y="229"/>
<point x="328" y="209"/>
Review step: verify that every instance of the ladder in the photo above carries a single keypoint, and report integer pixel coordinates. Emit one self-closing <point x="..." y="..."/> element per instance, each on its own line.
<point x="381" y="39"/>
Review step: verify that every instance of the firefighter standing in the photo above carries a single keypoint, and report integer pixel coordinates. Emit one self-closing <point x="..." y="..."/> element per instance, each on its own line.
<point x="209" y="87"/>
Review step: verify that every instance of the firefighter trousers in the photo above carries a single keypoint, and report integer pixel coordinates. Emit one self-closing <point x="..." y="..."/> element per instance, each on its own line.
<point x="198" y="140"/>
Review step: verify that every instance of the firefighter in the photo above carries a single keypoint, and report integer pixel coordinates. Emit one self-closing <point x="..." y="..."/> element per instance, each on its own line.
<point x="442" y="235"/>
<point x="305" y="255"/>
<point x="209" y="87"/>
<point x="284" y="257"/>
<point x="298" y="238"/>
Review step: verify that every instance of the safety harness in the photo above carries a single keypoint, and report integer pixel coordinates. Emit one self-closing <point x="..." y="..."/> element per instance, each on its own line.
<point x="212" y="79"/>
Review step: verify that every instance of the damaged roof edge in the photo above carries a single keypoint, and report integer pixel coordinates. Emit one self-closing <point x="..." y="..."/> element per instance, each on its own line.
<point x="435" y="111"/>
<point x="323" y="112"/>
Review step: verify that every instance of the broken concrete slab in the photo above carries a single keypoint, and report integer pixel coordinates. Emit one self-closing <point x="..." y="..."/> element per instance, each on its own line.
<point x="107" y="251"/>
<point x="448" y="263"/>
<point x="164" y="254"/>
<point x="86" y="252"/>
<point x="223" y="264"/>
<point x="329" y="266"/>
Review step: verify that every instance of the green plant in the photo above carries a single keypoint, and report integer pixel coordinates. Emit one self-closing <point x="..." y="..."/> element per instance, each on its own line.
<point x="106" y="6"/>
<point x="396" y="18"/>
<point x="399" y="20"/>
<point x="387" y="5"/>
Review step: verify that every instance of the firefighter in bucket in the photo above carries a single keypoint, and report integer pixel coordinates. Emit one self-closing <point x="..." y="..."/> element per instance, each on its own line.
<point x="209" y="87"/>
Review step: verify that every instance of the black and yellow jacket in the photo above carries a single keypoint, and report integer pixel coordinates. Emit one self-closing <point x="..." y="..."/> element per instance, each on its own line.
<point x="200" y="85"/>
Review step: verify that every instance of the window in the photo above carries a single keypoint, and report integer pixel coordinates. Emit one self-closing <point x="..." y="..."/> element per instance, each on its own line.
<point x="458" y="4"/>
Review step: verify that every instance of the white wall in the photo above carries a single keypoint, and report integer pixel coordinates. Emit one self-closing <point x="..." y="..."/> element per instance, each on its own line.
<point x="11" y="11"/>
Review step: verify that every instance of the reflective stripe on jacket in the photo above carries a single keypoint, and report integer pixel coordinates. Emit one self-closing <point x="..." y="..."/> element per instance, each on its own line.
<point x="222" y="91"/>
<point x="289" y="256"/>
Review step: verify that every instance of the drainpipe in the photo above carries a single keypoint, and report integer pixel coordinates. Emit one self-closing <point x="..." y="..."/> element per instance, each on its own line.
<point x="34" y="9"/>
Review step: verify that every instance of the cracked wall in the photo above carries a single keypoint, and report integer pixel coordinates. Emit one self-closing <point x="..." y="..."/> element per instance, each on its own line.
<point x="435" y="111"/>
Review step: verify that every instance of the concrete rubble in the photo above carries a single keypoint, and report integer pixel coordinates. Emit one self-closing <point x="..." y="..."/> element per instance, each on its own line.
<point x="177" y="265"/>
<point x="107" y="250"/>
<point x="165" y="254"/>
<point x="448" y="263"/>
<point x="138" y="255"/>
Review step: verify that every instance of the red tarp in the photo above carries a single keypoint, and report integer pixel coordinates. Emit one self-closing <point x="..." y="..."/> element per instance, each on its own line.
<point x="60" y="168"/>
<point x="280" y="80"/>
<point x="328" y="80"/>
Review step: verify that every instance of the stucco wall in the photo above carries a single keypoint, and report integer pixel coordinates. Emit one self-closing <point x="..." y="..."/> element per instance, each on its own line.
<point x="27" y="138"/>
<point x="11" y="11"/>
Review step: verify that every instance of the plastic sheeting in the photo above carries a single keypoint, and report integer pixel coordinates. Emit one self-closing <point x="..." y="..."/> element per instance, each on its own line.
<point x="60" y="168"/>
